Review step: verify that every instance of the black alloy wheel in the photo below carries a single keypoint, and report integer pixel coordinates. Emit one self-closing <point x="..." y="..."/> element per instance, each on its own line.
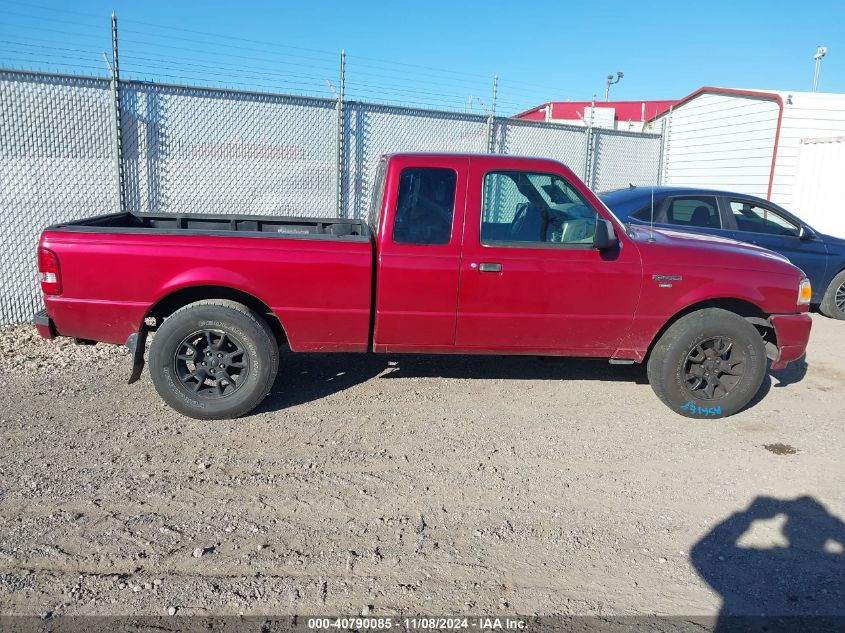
<point x="713" y="368"/>
<point x="708" y="364"/>
<point x="214" y="359"/>
<point x="211" y="363"/>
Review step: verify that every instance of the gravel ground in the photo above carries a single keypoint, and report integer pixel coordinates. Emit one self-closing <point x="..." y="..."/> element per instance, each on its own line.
<point x="417" y="485"/>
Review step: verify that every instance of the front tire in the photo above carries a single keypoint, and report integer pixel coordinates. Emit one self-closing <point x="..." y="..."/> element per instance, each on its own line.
<point x="214" y="360"/>
<point x="833" y="303"/>
<point x="708" y="364"/>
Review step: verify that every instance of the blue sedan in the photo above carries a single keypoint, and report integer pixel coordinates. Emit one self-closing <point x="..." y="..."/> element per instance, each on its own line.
<point x="747" y="219"/>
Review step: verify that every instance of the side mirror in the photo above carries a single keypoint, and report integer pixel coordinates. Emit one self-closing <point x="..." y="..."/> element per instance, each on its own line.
<point x="605" y="236"/>
<point x="806" y="233"/>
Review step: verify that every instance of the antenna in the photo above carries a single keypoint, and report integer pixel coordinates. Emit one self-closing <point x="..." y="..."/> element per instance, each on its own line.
<point x="651" y="222"/>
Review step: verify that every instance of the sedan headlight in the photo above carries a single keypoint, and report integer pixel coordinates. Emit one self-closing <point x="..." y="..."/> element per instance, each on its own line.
<point x="805" y="292"/>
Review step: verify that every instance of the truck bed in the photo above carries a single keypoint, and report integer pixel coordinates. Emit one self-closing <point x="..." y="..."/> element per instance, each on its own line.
<point x="207" y="224"/>
<point x="314" y="274"/>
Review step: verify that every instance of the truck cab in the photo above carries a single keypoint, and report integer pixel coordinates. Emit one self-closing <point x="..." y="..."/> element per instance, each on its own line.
<point x="479" y="253"/>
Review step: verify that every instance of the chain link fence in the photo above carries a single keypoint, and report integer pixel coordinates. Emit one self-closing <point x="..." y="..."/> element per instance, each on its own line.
<point x="373" y="130"/>
<point x="563" y="143"/>
<point x="205" y="150"/>
<point x="57" y="161"/>
<point x="197" y="150"/>
<point x="619" y="159"/>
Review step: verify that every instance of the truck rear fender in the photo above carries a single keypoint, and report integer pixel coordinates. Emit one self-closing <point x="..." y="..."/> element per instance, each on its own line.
<point x="168" y="304"/>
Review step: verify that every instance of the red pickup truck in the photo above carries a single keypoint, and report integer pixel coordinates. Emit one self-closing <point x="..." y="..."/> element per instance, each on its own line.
<point x="467" y="254"/>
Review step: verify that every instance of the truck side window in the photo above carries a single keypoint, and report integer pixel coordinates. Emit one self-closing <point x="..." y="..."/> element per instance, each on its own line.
<point x="424" y="206"/>
<point x="523" y="206"/>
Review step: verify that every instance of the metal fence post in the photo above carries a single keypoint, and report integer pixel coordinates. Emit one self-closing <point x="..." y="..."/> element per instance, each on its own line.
<point x="340" y="136"/>
<point x="118" y="136"/>
<point x="588" y="158"/>
<point x="490" y="131"/>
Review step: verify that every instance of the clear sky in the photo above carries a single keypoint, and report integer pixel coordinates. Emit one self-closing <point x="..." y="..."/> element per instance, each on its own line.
<point x="440" y="53"/>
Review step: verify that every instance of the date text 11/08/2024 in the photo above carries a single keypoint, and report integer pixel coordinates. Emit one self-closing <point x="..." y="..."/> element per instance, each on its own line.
<point x="481" y="623"/>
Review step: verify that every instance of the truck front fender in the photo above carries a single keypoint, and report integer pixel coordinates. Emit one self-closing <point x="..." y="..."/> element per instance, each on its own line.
<point x="659" y="308"/>
<point x="718" y="291"/>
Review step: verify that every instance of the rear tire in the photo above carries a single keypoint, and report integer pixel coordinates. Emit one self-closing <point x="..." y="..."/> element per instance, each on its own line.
<point x="833" y="303"/>
<point x="708" y="364"/>
<point x="214" y="360"/>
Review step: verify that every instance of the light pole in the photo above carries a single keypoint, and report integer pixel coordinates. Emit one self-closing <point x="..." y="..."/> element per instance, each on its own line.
<point x="610" y="82"/>
<point x="821" y="51"/>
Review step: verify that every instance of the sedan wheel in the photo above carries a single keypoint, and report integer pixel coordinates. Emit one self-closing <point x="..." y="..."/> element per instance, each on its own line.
<point x="833" y="303"/>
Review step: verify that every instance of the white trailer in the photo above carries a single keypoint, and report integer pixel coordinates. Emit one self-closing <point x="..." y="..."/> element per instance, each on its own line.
<point x="820" y="184"/>
<point x="749" y="140"/>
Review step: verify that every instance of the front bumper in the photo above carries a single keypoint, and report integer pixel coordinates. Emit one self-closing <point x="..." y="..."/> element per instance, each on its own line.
<point x="44" y="325"/>
<point x="793" y="333"/>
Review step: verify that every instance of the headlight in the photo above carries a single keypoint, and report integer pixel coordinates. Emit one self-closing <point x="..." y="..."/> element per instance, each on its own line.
<point x="805" y="292"/>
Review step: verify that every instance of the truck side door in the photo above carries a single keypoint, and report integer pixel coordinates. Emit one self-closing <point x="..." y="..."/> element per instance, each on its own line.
<point x="531" y="280"/>
<point x="419" y="251"/>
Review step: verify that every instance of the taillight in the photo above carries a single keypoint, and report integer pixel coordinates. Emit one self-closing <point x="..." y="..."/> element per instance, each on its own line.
<point x="48" y="272"/>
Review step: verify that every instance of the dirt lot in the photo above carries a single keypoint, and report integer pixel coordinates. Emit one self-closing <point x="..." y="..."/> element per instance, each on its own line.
<point x="417" y="484"/>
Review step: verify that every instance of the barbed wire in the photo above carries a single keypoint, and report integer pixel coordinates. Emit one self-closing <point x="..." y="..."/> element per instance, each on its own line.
<point x="31" y="5"/>
<point x="25" y="64"/>
<point x="176" y="54"/>
<point x="63" y="21"/>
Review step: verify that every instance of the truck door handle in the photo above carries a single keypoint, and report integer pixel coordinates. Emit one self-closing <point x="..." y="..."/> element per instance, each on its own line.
<point x="489" y="267"/>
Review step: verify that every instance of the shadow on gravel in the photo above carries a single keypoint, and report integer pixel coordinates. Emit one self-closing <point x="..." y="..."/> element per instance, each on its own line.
<point x="789" y="375"/>
<point x="307" y="377"/>
<point x="797" y="572"/>
<point x="796" y="371"/>
<point x="762" y="392"/>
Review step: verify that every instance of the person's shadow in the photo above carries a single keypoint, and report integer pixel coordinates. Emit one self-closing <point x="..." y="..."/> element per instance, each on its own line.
<point x="796" y="581"/>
